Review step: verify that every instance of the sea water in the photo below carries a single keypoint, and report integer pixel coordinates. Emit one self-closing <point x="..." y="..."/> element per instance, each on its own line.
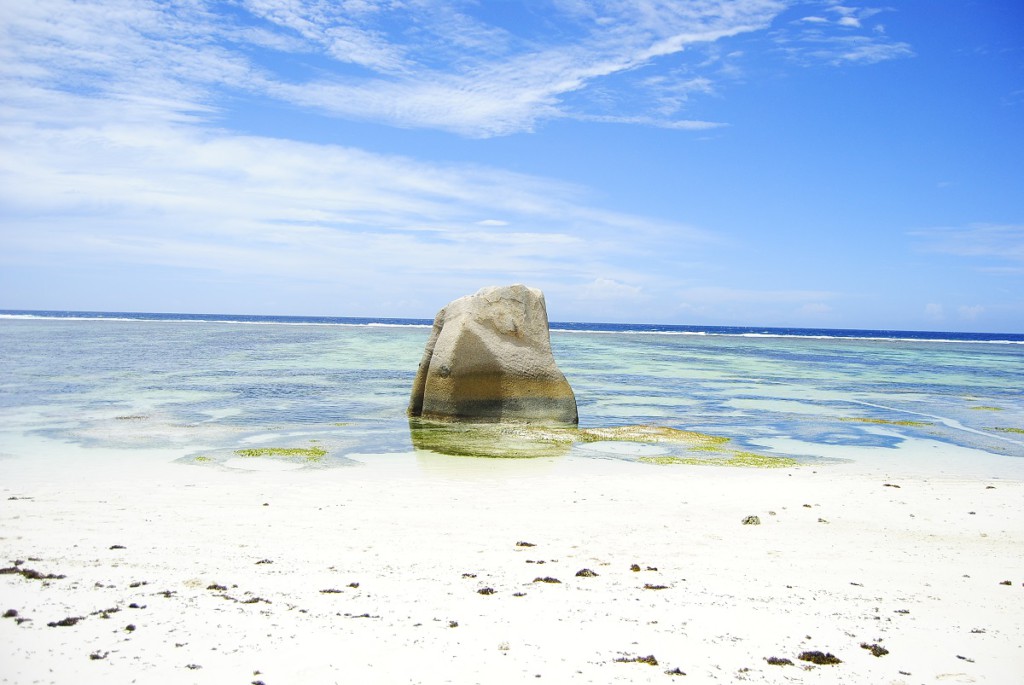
<point x="205" y="389"/>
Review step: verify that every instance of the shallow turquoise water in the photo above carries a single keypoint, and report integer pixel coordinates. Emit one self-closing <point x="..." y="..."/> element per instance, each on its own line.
<point x="211" y="388"/>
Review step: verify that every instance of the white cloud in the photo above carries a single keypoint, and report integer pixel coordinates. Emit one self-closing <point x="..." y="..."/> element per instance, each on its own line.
<point x="863" y="50"/>
<point x="1000" y="242"/>
<point x="814" y="310"/>
<point x="427" y="63"/>
<point x="168" y="194"/>
<point x="934" y="312"/>
<point x="970" y="312"/>
<point x="419" y="64"/>
<point x="605" y="289"/>
<point x="721" y="295"/>
<point x="840" y="35"/>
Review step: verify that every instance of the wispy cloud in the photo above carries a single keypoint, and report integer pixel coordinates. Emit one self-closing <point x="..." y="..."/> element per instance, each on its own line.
<point x="461" y="67"/>
<point x="168" y="194"/>
<point x="995" y="242"/>
<point x="784" y="307"/>
<point x="117" y="147"/>
<point x="839" y="33"/>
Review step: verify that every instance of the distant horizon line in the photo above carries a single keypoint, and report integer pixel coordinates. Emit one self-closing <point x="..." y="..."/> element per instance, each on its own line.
<point x="574" y="325"/>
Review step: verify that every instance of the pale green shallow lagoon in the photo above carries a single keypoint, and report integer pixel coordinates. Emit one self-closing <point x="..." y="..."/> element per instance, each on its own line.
<point x="201" y="391"/>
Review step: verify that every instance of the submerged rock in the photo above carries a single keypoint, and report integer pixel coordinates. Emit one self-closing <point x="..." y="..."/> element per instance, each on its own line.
<point x="489" y="359"/>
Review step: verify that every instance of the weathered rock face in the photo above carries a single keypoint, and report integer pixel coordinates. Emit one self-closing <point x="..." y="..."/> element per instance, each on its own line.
<point x="489" y="359"/>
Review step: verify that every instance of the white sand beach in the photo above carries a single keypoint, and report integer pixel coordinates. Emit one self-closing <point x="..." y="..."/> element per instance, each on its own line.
<point x="379" y="573"/>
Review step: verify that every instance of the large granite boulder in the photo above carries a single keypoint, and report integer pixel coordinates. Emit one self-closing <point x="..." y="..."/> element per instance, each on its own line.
<point x="489" y="359"/>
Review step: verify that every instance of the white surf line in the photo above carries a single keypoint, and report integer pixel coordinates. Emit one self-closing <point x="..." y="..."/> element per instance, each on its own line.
<point x="943" y="420"/>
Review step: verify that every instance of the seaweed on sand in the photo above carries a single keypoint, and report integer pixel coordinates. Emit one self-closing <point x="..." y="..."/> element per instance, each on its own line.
<point x="820" y="658"/>
<point x="654" y="434"/>
<point x="734" y="458"/>
<point x="310" y="453"/>
<point x="649" y="660"/>
<point x="31" y="574"/>
<point x="65" y="622"/>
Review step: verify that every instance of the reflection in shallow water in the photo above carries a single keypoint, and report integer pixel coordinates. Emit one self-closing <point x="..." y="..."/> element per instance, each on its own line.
<point x="490" y="440"/>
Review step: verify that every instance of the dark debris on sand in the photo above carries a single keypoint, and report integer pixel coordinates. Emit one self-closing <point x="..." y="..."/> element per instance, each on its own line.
<point x="29" y="573"/>
<point x="66" y="622"/>
<point x="820" y="658"/>
<point x="876" y="650"/>
<point x="649" y="660"/>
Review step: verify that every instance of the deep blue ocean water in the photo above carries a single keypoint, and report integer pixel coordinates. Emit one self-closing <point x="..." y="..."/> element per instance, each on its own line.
<point x="207" y="385"/>
<point x="866" y="334"/>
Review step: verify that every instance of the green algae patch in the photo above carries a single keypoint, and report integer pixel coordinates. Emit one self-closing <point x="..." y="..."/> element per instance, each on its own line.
<point x="1009" y="430"/>
<point x="308" y="453"/>
<point x="654" y="434"/>
<point x="984" y="408"/>
<point x="524" y="440"/>
<point x="888" y="422"/>
<point x="491" y="440"/>
<point x="750" y="460"/>
<point x="202" y="460"/>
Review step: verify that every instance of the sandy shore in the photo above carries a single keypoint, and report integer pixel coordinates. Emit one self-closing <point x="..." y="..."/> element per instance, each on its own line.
<point x="380" y="574"/>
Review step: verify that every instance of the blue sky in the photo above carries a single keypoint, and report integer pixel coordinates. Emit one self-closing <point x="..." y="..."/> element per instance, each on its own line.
<point x="748" y="162"/>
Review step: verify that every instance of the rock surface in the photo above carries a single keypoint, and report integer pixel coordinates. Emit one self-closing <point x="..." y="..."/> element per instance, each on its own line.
<point x="489" y="359"/>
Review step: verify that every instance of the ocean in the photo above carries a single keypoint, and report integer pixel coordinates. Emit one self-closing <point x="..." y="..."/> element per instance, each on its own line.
<point x="216" y="391"/>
